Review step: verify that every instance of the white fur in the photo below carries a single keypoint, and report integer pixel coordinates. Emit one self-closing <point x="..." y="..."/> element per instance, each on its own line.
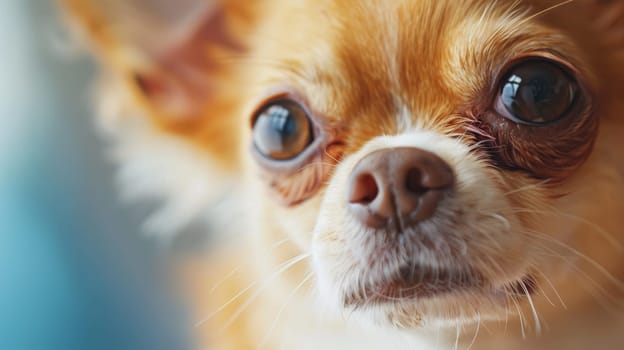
<point x="154" y="165"/>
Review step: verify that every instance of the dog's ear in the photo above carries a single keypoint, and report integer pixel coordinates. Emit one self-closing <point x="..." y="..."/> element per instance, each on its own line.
<point x="169" y="72"/>
<point x="176" y="57"/>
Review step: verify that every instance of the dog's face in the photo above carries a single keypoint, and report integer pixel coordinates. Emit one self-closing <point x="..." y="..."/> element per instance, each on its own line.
<point x="441" y="161"/>
<point x="422" y="152"/>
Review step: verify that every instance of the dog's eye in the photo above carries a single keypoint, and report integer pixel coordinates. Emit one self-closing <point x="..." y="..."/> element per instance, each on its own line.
<point x="282" y="130"/>
<point x="536" y="92"/>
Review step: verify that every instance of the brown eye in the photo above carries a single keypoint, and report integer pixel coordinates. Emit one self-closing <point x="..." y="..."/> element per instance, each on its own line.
<point x="536" y="92"/>
<point x="282" y="130"/>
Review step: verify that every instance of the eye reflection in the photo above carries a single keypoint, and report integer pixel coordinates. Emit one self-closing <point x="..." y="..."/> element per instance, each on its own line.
<point x="511" y="89"/>
<point x="282" y="130"/>
<point x="537" y="92"/>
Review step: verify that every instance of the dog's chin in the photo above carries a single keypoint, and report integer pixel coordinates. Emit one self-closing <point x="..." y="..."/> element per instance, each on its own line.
<point x="422" y="297"/>
<point x="424" y="288"/>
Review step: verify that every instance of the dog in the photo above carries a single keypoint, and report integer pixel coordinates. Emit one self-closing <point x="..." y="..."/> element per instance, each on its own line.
<point x="410" y="174"/>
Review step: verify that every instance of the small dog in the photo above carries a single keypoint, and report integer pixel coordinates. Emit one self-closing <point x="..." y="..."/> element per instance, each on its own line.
<point x="410" y="174"/>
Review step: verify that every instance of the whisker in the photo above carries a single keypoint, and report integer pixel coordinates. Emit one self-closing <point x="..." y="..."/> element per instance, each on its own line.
<point x="280" y="242"/>
<point x="507" y="312"/>
<point x="527" y="187"/>
<point x="617" y="282"/>
<point x="551" y="8"/>
<point x="592" y="283"/>
<point x="536" y="320"/>
<point x="541" y="292"/>
<point x="521" y="317"/>
<point x="330" y="156"/>
<point x="226" y="304"/>
<point x="221" y="281"/>
<point x="238" y="268"/>
<point x="314" y="165"/>
<point x="457" y="334"/>
<point x="474" y="338"/>
<point x="290" y="263"/>
<point x="601" y="231"/>
<point x="282" y="268"/>
<point x="552" y="286"/>
<point x="265" y="340"/>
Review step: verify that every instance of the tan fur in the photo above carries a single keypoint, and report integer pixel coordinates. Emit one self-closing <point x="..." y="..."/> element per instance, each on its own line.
<point x="375" y="75"/>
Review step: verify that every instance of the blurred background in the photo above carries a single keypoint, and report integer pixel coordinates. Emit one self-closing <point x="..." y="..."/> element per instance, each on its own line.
<point x="75" y="270"/>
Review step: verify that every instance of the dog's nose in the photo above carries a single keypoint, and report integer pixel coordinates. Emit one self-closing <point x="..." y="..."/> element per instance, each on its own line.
<point x="398" y="187"/>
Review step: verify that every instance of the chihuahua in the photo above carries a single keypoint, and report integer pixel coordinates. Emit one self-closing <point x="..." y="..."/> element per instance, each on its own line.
<point x="409" y="174"/>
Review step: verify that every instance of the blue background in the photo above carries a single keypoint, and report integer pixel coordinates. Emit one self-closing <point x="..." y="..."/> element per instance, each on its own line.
<point x="75" y="272"/>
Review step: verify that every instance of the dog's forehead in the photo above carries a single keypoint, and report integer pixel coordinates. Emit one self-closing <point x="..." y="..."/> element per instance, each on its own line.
<point x="369" y="60"/>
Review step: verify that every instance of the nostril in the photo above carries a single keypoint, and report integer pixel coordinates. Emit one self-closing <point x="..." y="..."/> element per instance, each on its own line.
<point x="413" y="181"/>
<point x="394" y="188"/>
<point x="364" y="190"/>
